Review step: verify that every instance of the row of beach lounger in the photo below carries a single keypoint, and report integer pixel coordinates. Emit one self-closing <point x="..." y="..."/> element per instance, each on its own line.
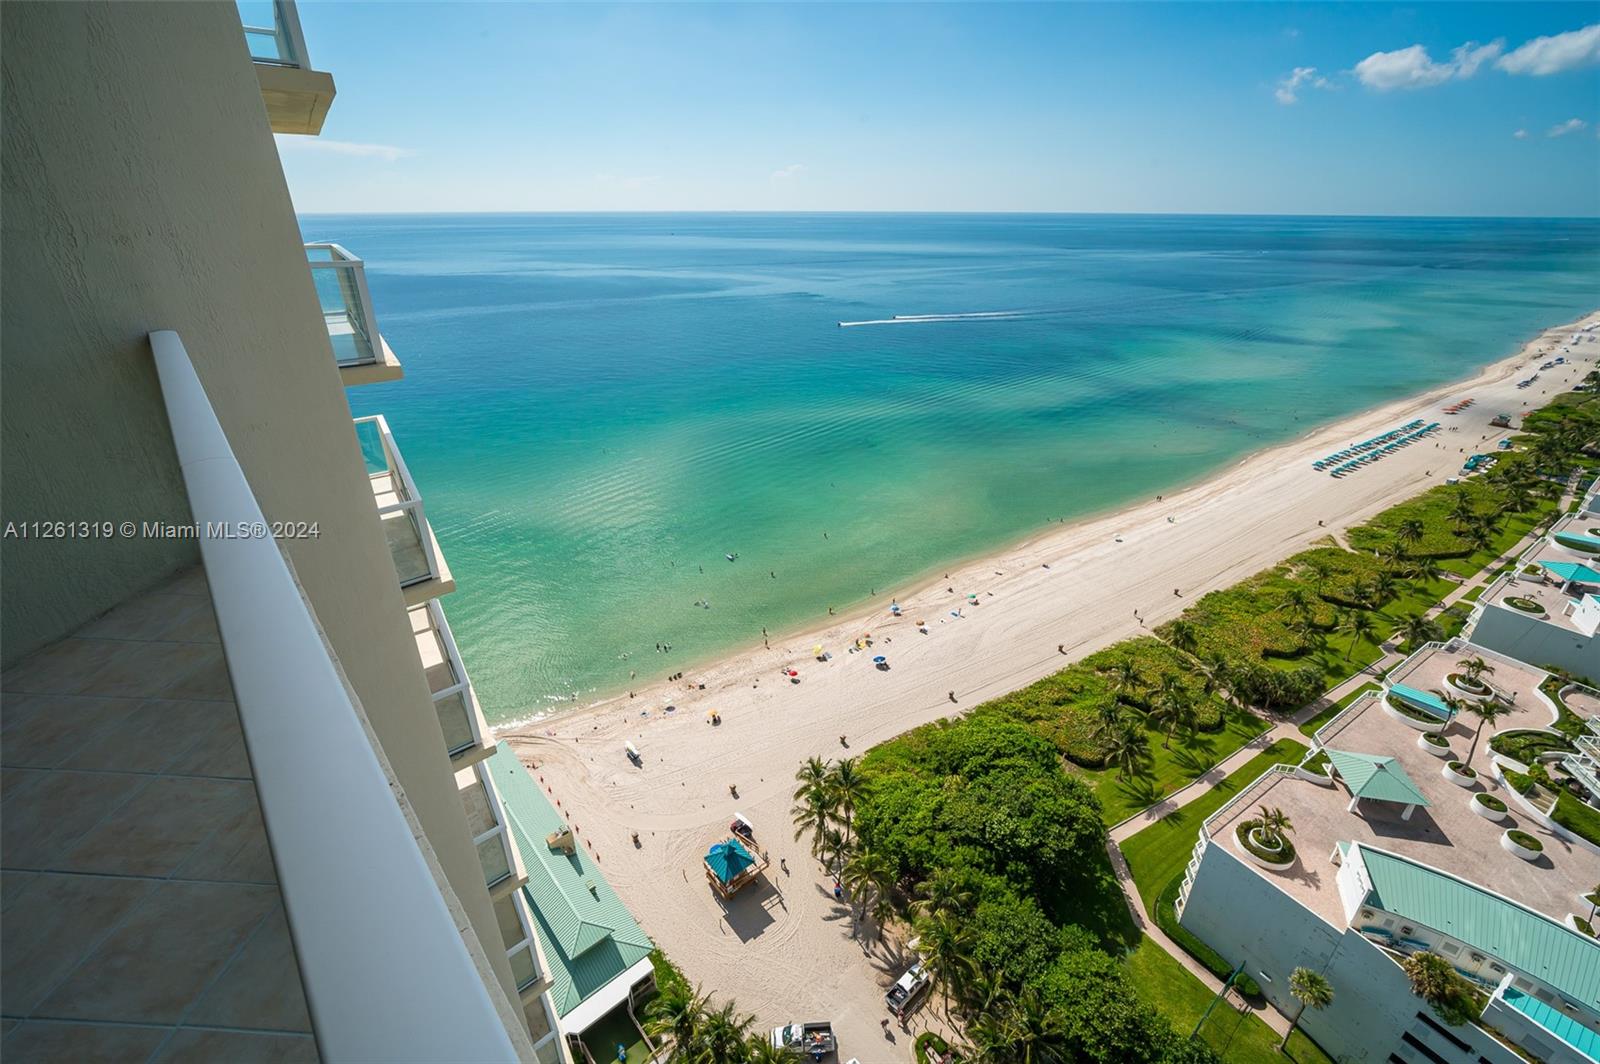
<point x="1354" y="457"/>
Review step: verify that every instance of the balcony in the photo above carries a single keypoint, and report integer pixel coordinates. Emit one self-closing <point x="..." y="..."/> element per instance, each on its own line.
<point x="417" y="560"/>
<point x="359" y="350"/>
<point x="503" y="872"/>
<point x="466" y="737"/>
<point x="297" y="97"/>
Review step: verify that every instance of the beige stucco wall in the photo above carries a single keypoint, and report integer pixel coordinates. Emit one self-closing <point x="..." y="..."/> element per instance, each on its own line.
<point x="142" y="190"/>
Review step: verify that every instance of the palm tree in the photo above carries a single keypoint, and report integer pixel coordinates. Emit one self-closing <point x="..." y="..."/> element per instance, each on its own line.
<point x="1361" y="591"/>
<point x="1487" y="711"/>
<point x="1173" y="708"/>
<point x="1475" y="667"/>
<point x="1435" y="981"/>
<point x="1425" y="568"/>
<point x="1296" y="602"/>
<point x="1419" y="630"/>
<point x="845" y="787"/>
<point x="676" y="1014"/>
<point x="812" y="813"/>
<point x="1182" y="635"/>
<point x="811" y="775"/>
<point x="1310" y="988"/>
<point x="1125" y="749"/>
<point x="1480" y="534"/>
<point x="722" y="1036"/>
<point x="1125" y="679"/>
<point x="1409" y="532"/>
<point x="1358" y="623"/>
<point x="1384" y="585"/>
<point x="868" y="876"/>
<point x="758" y="1049"/>
<point x="943" y="942"/>
<point x="1275" y="825"/>
<point x="943" y="892"/>
<point x="1461" y="512"/>
<point x="1320" y="570"/>
<point x="1108" y="716"/>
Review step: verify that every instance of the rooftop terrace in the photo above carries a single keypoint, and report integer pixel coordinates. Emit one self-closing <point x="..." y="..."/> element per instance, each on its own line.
<point x="1447" y="834"/>
<point x="1543" y="588"/>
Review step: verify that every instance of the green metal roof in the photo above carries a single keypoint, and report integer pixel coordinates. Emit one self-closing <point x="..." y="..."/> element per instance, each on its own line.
<point x="1565" y="959"/>
<point x="728" y="860"/>
<point x="587" y="934"/>
<point x="1378" y="778"/>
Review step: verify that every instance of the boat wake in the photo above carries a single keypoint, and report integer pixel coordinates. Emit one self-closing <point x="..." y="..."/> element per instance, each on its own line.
<point x="919" y="319"/>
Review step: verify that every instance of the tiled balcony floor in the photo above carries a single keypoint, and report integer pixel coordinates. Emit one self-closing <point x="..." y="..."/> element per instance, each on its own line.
<point x="141" y="910"/>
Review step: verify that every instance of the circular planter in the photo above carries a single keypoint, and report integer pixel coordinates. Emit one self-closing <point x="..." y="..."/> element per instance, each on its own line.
<point x="1465" y="686"/>
<point x="1486" y="811"/>
<point x="1257" y="852"/>
<point x="1459" y="774"/>
<point x="1524" y="605"/>
<point x="1438" y="749"/>
<point x="1433" y="726"/>
<point x="1521" y="849"/>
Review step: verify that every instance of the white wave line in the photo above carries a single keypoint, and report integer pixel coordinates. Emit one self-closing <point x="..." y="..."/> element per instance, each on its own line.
<point x="918" y="319"/>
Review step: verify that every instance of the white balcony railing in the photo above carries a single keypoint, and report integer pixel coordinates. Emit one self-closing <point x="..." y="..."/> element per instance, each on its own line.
<point x="387" y="975"/>
<point x="341" y="282"/>
<point x="405" y="525"/>
<point x="460" y="717"/>
<point x="272" y="31"/>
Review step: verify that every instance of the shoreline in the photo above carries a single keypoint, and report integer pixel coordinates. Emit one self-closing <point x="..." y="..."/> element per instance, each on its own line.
<point x="786" y="948"/>
<point x="862" y="612"/>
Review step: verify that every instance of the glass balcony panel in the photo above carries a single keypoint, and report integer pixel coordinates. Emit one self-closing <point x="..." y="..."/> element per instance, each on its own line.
<point x="431" y="649"/>
<point x="456" y="721"/>
<point x="492" y="856"/>
<point x="266" y="32"/>
<point x="480" y="814"/>
<point x="505" y="914"/>
<point x="522" y="967"/>
<point x="550" y="1052"/>
<point x="404" y="534"/>
<point x="340" y="280"/>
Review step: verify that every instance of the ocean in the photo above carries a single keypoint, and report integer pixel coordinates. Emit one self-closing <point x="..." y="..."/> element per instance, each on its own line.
<point x="600" y="409"/>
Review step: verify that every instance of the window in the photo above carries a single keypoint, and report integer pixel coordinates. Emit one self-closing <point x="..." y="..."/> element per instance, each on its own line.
<point x="1449" y="949"/>
<point x="511" y="913"/>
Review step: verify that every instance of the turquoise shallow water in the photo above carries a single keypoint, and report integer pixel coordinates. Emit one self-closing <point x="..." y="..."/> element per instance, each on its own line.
<point x="598" y="408"/>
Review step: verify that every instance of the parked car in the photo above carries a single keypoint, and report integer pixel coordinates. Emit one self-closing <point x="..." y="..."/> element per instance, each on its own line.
<point x="907" y="990"/>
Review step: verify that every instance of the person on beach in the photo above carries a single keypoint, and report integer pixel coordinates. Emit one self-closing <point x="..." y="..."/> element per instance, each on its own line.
<point x="1061" y="648"/>
<point x="952" y="696"/>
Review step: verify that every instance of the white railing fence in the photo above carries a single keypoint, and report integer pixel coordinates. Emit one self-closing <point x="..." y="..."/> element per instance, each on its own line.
<point x="387" y="975"/>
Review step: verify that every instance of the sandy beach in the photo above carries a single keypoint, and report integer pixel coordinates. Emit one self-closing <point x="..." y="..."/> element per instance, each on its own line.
<point x="785" y="952"/>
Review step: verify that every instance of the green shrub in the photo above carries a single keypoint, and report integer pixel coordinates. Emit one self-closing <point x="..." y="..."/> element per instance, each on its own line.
<point x="1528" y="746"/>
<point x="1526" y="841"/>
<point x="1489" y="801"/>
<point x="1577" y="817"/>
<point x="1166" y="917"/>
<point x="929" y="1047"/>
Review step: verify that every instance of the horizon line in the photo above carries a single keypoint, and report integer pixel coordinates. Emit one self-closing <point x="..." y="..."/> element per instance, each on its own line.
<point x="969" y="213"/>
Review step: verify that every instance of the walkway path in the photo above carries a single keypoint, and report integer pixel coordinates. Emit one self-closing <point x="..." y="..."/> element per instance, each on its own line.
<point x="1285" y="728"/>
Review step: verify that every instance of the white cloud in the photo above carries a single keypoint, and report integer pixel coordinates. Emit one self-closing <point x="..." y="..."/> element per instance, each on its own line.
<point x="1414" y="68"/>
<point x="387" y="152"/>
<point x="793" y="170"/>
<point x="1551" y="55"/>
<point x="1571" y="125"/>
<point x="1288" y="90"/>
<point x="1521" y="134"/>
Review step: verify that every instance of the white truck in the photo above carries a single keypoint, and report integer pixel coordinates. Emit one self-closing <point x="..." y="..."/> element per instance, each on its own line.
<point x="814" y="1039"/>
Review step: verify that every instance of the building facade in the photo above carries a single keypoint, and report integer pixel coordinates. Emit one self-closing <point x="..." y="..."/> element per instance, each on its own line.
<point x="247" y="809"/>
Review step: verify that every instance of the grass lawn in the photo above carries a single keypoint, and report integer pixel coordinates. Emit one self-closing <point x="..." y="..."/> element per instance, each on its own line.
<point x="1165" y="770"/>
<point x="1237" y="1037"/>
<point x="1309" y="728"/>
<point x="1159" y="852"/>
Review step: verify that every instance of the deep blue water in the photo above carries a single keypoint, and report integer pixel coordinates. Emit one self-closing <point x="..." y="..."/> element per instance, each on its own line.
<point x="599" y="407"/>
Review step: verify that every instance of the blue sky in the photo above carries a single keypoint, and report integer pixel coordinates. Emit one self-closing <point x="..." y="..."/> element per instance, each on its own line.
<point x="1421" y="108"/>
